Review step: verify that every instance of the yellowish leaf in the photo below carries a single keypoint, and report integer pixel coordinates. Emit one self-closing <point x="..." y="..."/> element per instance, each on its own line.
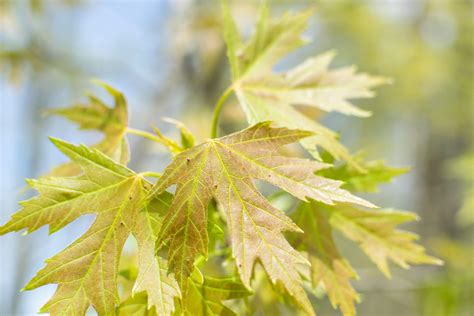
<point x="266" y="95"/>
<point x="224" y="169"/>
<point x="96" y="115"/>
<point x="86" y="271"/>
<point x="376" y="234"/>
<point x="328" y="267"/>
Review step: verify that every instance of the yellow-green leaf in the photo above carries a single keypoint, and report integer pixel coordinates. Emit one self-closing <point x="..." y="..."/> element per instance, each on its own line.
<point x="224" y="169"/>
<point x="153" y="276"/>
<point x="136" y="306"/>
<point x="232" y="39"/>
<point x="86" y="271"/>
<point x="266" y="95"/>
<point x="96" y="115"/>
<point x="328" y="267"/>
<point x="62" y="200"/>
<point x="205" y="296"/>
<point x="187" y="137"/>
<point x="375" y="172"/>
<point x="376" y="234"/>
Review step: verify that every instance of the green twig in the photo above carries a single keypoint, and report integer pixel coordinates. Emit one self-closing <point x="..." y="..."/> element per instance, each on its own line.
<point x="144" y="134"/>
<point x="151" y="174"/>
<point x="156" y="138"/>
<point x="217" y="110"/>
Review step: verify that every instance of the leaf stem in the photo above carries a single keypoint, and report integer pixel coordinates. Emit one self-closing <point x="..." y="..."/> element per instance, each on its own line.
<point x="156" y="138"/>
<point x="217" y="110"/>
<point x="151" y="174"/>
<point x="144" y="134"/>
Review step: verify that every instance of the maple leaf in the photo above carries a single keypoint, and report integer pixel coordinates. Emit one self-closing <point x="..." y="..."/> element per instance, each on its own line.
<point x="136" y="306"/>
<point x="86" y="270"/>
<point x="224" y="169"/>
<point x="204" y="298"/>
<point x="187" y="137"/>
<point x="376" y="234"/>
<point x="205" y="295"/>
<point x="96" y="115"/>
<point x="375" y="173"/>
<point x="328" y="267"/>
<point x="153" y="276"/>
<point x="266" y="95"/>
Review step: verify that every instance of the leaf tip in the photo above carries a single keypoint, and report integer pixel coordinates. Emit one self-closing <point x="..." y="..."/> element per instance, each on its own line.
<point x="56" y="141"/>
<point x="4" y="230"/>
<point x="386" y="272"/>
<point x="28" y="287"/>
<point x="107" y="87"/>
<point x="31" y="182"/>
<point x="52" y="230"/>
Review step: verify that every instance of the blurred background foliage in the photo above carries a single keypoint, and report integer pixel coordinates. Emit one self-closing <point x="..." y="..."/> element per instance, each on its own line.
<point x="168" y="57"/>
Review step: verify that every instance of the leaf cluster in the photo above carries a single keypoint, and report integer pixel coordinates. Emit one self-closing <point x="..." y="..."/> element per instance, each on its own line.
<point x="198" y="245"/>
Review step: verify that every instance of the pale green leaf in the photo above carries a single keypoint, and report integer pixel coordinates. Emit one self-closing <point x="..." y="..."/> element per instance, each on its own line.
<point x="205" y="297"/>
<point x="86" y="271"/>
<point x="375" y="173"/>
<point x="153" y="276"/>
<point x="96" y="115"/>
<point x="187" y="137"/>
<point x="258" y="110"/>
<point x="312" y="83"/>
<point x="232" y="38"/>
<point x="136" y="306"/>
<point x="271" y="41"/>
<point x="266" y="95"/>
<point x="62" y="200"/>
<point x="328" y="267"/>
<point x="376" y="234"/>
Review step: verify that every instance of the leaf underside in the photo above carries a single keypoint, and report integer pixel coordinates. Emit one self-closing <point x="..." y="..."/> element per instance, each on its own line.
<point x="224" y="169"/>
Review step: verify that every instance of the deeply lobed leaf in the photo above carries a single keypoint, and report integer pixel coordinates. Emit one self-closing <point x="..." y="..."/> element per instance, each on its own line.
<point x="224" y="169"/>
<point x="96" y="115"/>
<point x="376" y="234"/>
<point x="328" y="266"/>
<point x="206" y="294"/>
<point x="153" y="275"/>
<point x="86" y="271"/>
<point x="205" y="297"/>
<point x="266" y="95"/>
<point x="375" y="173"/>
<point x="374" y="231"/>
